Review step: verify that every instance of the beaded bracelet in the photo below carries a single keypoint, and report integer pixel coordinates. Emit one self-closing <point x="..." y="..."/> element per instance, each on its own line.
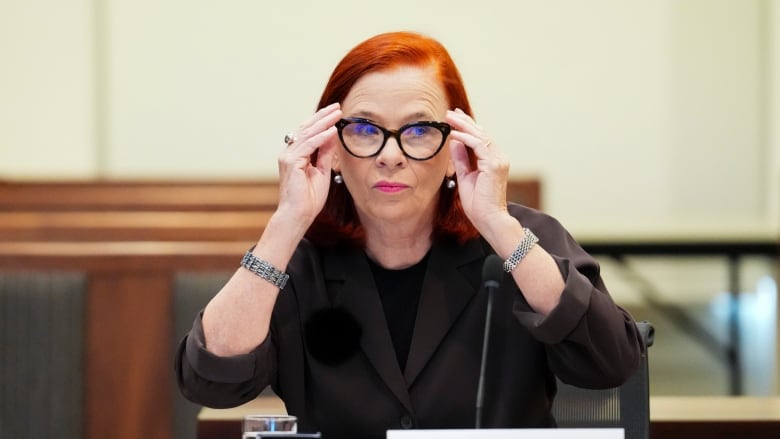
<point x="522" y="249"/>
<point x="264" y="270"/>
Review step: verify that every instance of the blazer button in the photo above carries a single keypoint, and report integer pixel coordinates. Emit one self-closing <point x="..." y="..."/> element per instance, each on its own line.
<point x="406" y="422"/>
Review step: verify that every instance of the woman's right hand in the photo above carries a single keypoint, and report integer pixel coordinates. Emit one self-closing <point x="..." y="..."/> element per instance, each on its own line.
<point x="303" y="185"/>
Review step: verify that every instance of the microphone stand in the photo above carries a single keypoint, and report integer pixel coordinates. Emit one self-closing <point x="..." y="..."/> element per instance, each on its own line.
<point x="492" y="270"/>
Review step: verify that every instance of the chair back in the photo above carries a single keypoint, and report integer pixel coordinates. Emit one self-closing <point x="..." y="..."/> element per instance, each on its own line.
<point x="626" y="406"/>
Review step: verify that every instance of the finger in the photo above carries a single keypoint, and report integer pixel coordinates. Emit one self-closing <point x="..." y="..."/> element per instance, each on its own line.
<point x="321" y="139"/>
<point x="303" y="148"/>
<point x="322" y="112"/>
<point x="319" y="121"/>
<point x="325" y="156"/>
<point x="460" y="158"/>
<point x="467" y="131"/>
<point x="462" y="121"/>
<point x="480" y="146"/>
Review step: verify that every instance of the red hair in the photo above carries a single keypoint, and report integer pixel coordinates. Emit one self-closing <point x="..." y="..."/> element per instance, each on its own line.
<point x="338" y="222"/>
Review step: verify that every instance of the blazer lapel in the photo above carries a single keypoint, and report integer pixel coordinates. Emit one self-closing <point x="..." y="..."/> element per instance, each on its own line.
<point x="359" y="296"/>
<point x="446" y="292"/>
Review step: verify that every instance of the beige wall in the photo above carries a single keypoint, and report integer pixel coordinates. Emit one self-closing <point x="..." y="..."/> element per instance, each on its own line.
<point x="47" y="95"/>
<point x="639" y="115"/>
<point x="773" y="136"/>
<point x="773" y="107"/>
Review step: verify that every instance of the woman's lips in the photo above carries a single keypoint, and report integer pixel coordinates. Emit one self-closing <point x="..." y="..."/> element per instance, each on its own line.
<point x="389" y="187"/>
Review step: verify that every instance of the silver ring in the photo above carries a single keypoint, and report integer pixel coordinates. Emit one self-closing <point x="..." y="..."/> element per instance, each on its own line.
<point x="289" y="139"/>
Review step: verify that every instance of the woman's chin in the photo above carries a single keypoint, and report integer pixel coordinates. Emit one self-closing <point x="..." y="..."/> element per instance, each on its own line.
<point x="398" y="214"/>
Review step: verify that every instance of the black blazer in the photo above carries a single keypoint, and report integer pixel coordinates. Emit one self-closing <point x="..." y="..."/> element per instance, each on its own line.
<point x="587" y="341"/>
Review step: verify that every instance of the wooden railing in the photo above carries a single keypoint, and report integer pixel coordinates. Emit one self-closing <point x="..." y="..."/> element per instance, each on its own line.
<point x="130" y="239"/>
<point x="151" y="211"/>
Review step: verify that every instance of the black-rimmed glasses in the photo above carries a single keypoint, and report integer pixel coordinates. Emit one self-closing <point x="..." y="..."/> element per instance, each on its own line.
<point x="417" y="140"/>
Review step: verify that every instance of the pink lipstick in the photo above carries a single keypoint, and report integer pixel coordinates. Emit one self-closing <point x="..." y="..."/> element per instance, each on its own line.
<point x="389" y="186"/>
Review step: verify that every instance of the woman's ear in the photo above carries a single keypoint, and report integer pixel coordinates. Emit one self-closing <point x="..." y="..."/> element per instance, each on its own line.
<point x="450" y="169"/>
<point x="334" y="165"/>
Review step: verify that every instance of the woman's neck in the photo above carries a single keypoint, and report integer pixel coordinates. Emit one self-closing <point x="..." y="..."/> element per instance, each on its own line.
<point x="398" y="247"/>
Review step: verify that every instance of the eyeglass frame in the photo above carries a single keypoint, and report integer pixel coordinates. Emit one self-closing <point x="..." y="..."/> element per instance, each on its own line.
<point x="443" y="127"/>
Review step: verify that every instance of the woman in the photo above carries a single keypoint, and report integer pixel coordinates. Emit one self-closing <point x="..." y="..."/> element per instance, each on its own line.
<point x="391" y="198"/>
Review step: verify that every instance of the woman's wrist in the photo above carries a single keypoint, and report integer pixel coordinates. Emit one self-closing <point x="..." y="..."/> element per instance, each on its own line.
<point x="519" y="253"/>
<point x="503" y="234"/>
<point x="279" y="240"/>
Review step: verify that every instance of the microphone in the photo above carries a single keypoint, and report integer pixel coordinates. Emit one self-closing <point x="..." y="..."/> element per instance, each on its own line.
<point x="492" y="272"/>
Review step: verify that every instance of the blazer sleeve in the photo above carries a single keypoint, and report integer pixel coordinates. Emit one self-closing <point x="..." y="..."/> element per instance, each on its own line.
<point x="222" y="382"/>
<point x="590" y="341"/>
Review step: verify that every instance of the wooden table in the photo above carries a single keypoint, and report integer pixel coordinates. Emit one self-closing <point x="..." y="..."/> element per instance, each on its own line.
<point x="671" y="417"/>
<point x="714" y="417"/>
<point x="221" y="424"/>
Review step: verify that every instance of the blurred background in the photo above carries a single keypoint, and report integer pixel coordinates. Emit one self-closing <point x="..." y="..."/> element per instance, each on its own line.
<point x="645" y="121"/>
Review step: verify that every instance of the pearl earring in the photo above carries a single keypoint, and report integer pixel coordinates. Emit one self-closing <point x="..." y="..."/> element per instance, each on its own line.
<point x="338" y="179"/>
<point x="451" y="183"/>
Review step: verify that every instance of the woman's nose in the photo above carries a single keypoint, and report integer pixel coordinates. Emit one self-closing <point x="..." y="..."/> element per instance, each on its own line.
<point x="391" y="154"/>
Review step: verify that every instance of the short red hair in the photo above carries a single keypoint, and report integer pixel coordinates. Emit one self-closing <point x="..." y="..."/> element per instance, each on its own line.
<point x="338" y="222"/>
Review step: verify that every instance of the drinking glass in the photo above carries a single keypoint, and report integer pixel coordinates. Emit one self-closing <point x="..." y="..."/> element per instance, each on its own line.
<point x="261" y="426"/>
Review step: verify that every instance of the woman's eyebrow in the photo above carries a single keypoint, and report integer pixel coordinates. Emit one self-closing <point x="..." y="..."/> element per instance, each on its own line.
<point x="373" y="117"/>
<point x="363" y="114"/>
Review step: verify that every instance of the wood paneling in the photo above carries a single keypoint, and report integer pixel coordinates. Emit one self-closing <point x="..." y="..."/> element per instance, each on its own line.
<point x="123" y="308"/>
<point x="128" y="363"/>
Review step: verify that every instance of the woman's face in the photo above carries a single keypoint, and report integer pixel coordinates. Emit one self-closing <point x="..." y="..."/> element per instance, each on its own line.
<point x="391" y="186"/>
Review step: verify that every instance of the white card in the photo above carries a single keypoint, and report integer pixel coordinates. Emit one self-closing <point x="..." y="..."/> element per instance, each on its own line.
<point x="510" y="433"/>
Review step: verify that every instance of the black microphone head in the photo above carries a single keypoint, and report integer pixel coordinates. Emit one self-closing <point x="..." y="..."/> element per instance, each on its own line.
<point x="332" y="335"/>
<point x="492" y="271"/>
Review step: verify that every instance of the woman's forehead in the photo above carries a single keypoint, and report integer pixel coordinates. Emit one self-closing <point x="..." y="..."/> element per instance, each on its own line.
<point x="411" y="91"/>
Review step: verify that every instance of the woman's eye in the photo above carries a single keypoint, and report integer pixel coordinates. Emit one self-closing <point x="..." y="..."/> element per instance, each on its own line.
<point x="417" y="131"/>
<point x="365" y="129"/>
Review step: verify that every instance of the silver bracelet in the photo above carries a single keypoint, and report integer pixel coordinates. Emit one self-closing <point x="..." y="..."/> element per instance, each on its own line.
<point x="526" y="244"/>
<point x="264" y="270"/>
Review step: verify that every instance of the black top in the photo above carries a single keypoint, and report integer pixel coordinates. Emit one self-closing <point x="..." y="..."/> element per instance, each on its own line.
<point x="399" y="291"/>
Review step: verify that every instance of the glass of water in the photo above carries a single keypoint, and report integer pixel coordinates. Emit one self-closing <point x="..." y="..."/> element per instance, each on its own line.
<point x="261" y="426"/>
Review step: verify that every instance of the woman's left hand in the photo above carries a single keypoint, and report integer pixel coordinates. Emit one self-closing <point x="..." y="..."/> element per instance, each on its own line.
<point x="482" y="188"/>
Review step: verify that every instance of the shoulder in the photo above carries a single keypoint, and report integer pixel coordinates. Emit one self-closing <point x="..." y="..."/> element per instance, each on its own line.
<point x="534" y="219"/>
<point x="313" y="267"/>
<point x="303" y="268"/>
<point x="309" y="258"/>
<point x="305" y="252"/>
<point x="553" y="236"/>
<point x="304" y="287"/>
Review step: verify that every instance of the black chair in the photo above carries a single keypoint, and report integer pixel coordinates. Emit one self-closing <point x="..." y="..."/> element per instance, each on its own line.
<point x="627" y="406"/>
